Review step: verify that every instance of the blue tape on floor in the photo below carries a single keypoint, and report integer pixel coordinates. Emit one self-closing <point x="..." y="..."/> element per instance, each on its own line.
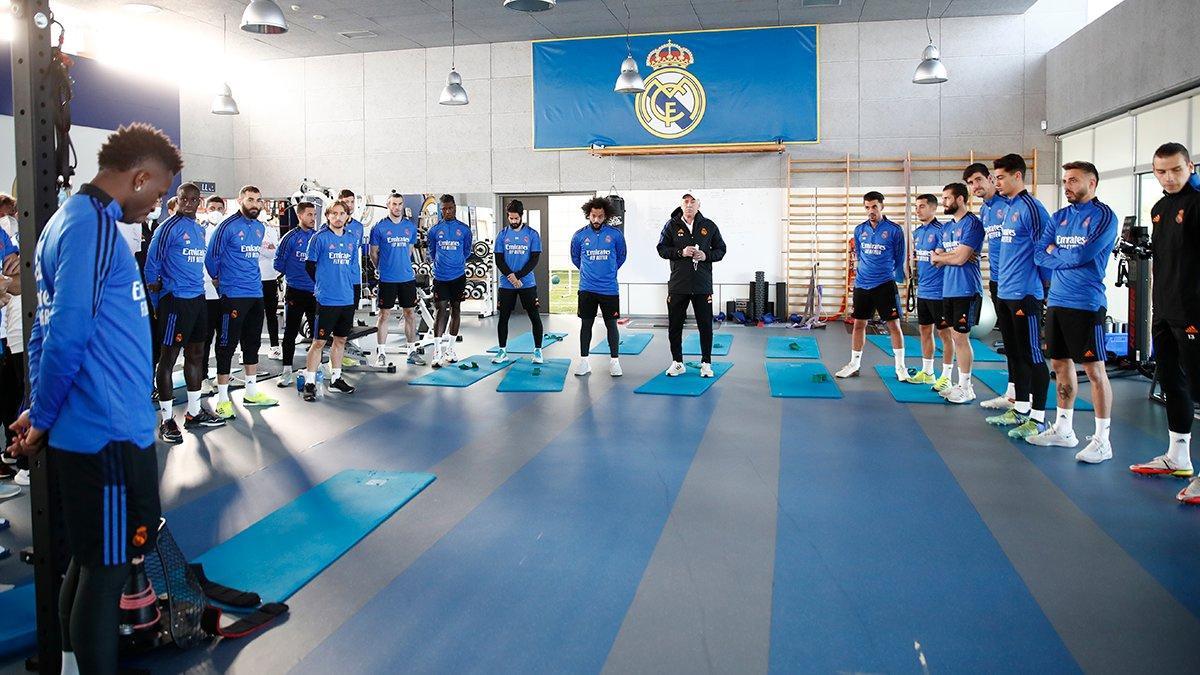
<point x="912" y="345"/>
<point x="798" y="347"/>
<point x="796" y="380"/>
<point x="539" y="576"/>
<point x="523" y="343"/>
<point x="524" y="375"/>
<point x="631" y="344"/>
<point x="905" y="392"/>
<point x="687" y="384"/>
<point x="276" y="556"/>
<point x="721" y="344"/>
<point x="455" y="375"/>
<point x="18" y="621"/>
<point x="984" y="353"/>
<point x="880" y="575"/>
<point x="997" y="381"/>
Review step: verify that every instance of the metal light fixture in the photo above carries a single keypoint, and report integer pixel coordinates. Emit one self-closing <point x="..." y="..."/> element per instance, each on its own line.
<point x="931" y="70"/>
<point x="264" y="17"/>
<point x="630" y="80"/>
<point x="453" y="94"/>
<point x="223" y="103"/>
<point x="530" y="5"/>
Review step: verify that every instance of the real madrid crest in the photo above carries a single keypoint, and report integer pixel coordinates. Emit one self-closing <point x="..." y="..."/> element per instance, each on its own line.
<point x="673" y="103"/>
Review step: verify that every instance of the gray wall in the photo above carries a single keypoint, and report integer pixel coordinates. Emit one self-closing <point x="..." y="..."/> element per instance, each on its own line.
<point x="371" y="121"/>
<point x="1138" y="52"/>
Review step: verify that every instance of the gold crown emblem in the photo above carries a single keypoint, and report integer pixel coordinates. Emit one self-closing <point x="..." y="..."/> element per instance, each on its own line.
<point x="670" y="54"/>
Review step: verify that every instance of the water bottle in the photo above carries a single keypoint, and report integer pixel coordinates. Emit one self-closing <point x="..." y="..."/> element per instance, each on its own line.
<point x="320" y="382"/>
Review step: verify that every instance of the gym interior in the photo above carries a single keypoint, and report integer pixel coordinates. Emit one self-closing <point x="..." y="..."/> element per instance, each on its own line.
<point x="462" y="468"/>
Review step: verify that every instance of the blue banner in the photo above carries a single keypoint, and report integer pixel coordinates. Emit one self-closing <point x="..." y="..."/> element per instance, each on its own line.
<point x="752" y="85"/>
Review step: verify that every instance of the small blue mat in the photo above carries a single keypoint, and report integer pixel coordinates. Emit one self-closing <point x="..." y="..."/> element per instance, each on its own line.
<point x="631" y="344"/>
<point x="997" y="380"/>
<point x="801" y="380"/>
<point x="18" y="621"/>
<point x="526" y="376"/>
<point x="721" y="343"/>
<point x="523" y="343"/>
<point x="799" y="347"/>
<point x="276" y="556"/>
<point x="984" y="353"/>
<point x="688" y="384"/>
<point x="454" y="375"/>
<point x="912" y="345"/>
<point x="905" y="392"/>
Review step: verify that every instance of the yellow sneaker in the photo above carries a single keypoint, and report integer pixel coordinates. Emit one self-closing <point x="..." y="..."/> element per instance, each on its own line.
<point x="921" y="377"/>
<point x="348" y="362"/>
<point x="259" y="400"/>
<point x="225" y="410"/>
<point x="942" y="383"/>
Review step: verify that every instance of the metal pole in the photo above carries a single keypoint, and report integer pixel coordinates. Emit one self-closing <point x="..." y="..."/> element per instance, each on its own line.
<point x="34" y="107"/>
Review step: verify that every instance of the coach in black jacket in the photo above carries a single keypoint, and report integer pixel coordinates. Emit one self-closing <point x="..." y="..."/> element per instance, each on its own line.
<point x="692" y="243"/>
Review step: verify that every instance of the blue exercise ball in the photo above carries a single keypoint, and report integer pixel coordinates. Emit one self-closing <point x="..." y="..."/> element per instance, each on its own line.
<point x="987" y="320"/>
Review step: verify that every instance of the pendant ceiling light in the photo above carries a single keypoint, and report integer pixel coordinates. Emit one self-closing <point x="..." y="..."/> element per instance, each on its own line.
<point x="931" y="70"/>
<point x="265" y="17"/>
<point x="453" y="94"/>
<point x="223" y="103"/>
<point x="530" y="5"/>
<point x="630" y="80"/>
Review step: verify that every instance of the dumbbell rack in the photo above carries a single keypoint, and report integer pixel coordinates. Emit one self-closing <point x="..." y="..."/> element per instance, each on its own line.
<point x="481" y="278"/>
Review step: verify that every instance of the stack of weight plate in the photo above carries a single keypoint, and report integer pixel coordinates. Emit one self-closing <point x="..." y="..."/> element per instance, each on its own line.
<point x="760" y="295"/>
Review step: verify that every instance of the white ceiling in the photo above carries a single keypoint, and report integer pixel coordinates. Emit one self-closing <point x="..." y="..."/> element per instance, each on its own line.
<point x="406" y="24"/>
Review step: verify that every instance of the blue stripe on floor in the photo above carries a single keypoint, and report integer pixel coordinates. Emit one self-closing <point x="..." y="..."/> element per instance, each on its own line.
<point x="882" y="561"/>
<point x="539" y="577"/>
<point x="1140" y="513"/>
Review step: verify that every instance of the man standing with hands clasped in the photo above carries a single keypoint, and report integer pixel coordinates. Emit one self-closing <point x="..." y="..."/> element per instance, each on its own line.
<point x="692" y="243"/>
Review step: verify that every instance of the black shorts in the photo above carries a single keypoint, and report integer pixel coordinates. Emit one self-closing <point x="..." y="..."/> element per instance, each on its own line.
<point x="929" y="313"/>
<point x="962" y="313"/>
<point x="182" y="320"/>
<point x="403" y="291"/>
<point x="1076" y="334"/>
<point x="884" y="299"/>
<point x="241" y="323"/>
<point x="454" y="290"/>
<point x="333" y="321"/>
<point x="110" y="501"/>
<point x="589" y="302"/>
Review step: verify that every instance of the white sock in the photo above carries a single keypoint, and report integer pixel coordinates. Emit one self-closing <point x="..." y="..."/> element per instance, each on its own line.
<point x="900" y="359"/>
<point x="1102" y="426"/>
<point x="1023" y="407"/>
<point x="1038" y="415"/>
<point x="451" y="340"/>
<point x="1011" y="392"/>
<point x="193" y="403"/>
<point x="310" y="377"/>
<point x="337" y="374"/>
<point x="251" y="385"/>
<point x="1063" y="421"/>
<point x="222" y="392"/>
<point x="964" y="379"/>
<point x="855" y="358"/>
<point x="1179" y="452"/>
<point x="613" y="359"/>
<point x="378" y="349"/>
<point x="948" y="370"/>
<point x="164" y="408"/>
<point x="287" y="370"/>
<point x="927" y="366"/>
<point x="69" y="665"/>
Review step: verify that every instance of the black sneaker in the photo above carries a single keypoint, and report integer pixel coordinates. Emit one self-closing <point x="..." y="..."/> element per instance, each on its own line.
<point x="310" y="392"/>
<point x="342" y="385"/>
<point x="168" y="432"/>
<point x="202" y="419"/>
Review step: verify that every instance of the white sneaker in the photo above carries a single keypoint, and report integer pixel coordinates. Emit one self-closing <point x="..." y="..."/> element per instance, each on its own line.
<point x="1095" y="451"/>
<point x="7" y="491"/>
<point x="676" y="369"/>
<point x="7" y="458"/>
<point x="207" y="387"/>
<point x="1051" y="437"/>
<point x="450" y="355"/>
<point x="706" y="370"/>
<point x="960" y="394"/>
<point x="502" y="356"/>
<point x="998" y="403"/>
<point x="902" y="374"/>
<point x="848" y="370"/>
<point x="276" y="353"/>
<point x="583" y="367"/>
<point x="22" y="477"/>
<point x="286" y="378"/>
<point x="438" y="360"/>
<point x="381" y="360"/>
<point x="614" y="367"/>
<point x="537" y="357"/>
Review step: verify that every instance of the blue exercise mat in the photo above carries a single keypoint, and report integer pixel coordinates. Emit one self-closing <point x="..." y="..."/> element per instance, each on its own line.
<point x="905" y="392"/>
<point x="687" y="384"/>
<point x="997" y="380"/>
<point x="18" y="621"/>
<point x="631" y="344"/>
<point x="721" y="343"/>
<point x="985" y="354"/>
<point x="525" y="375"/>
<point x="455" y="375"/>
<point x="523" y="343"/>
<point x="280" y="553"/>
<point x="912" y="345"/>
<point x="799" y="347"/>
<point x="801" y="380"/>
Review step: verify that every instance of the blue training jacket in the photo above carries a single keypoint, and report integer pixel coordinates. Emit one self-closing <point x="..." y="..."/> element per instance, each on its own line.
<point x="395" y="241"/>
<point x="290" y="256"/>
<point x="516" y="247"/>
<point x="449" y="247"/>
<point x="232" y="259"/>
<point x="927" y="238"/>
<point x="176" y="257"/>
<point x="880" y="251"/>
<point x="1083" y="236"/>
<point x="598" y="254"/>
<point x="991" y="213"/>
<point x="1025" y="219"/>
<point x="961" y="281"/>
<point x="89" y="352"/>
<point x="334" y="255"/>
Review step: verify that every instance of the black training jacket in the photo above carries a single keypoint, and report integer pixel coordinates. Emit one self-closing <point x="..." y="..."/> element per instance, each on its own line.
<point x="688" y="277"/>
<point x="1176" y="262"/>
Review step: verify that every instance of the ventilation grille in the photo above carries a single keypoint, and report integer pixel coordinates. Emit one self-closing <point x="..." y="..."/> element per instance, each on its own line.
<point x="360" y="34"/>
<point x="820" y="3"/>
